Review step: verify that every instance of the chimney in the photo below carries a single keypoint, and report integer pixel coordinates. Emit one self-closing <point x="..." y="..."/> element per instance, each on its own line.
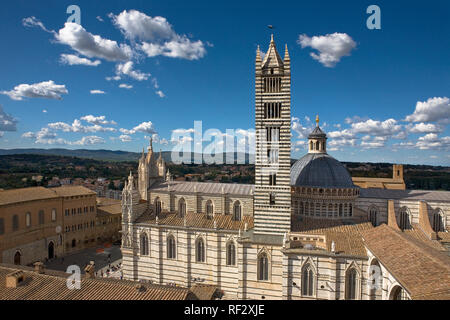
<point x="14" y="279"/>
<point x="39" y="267"/>
<point x="90" y="270"/>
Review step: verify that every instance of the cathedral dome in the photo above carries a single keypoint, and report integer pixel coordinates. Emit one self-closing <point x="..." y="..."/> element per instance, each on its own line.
<point x="320" y="170"/>
<point x="317" y="168"/>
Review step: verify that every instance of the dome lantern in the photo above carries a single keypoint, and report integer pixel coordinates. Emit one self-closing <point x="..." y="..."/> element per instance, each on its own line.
<point x="317" y="140"/>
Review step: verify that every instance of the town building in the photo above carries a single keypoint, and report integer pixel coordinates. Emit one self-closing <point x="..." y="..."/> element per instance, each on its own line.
<point x="301" y="232"/>
<point x="40" y="223"/>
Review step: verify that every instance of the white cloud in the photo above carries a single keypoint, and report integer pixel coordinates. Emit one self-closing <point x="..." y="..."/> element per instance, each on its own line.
<point x="97" y="120"/>
<point x="377" y="128"/>
<point x="331" y="47"/>
<point x="89" y="140"/>
<point x="125" y="138"/>
<point x="77" y="126"/>
<point x="137" y="25"/>
<point x="432" y="141"/>
<point x="44" y="111"/>
<point x="72" y="60"/>
<point x="434" y="109"/>
<point x="160" y="94"/>
<point x="125" y="86"/>
<point x="181" y="47"/>
<point x="157" y="36"/>
<point x="89" y="45"/>
<point x="46" y="136"/>
<point x="424" y="128"/>
<point x="46" y="89"/>
<point x="34" y="22"/>
<point x="97" y="92"/>
<point x="99" y="18"/>
<point x="7" y="122"/>
<point x="127" y="69"/>
<point x="145" y="127"/>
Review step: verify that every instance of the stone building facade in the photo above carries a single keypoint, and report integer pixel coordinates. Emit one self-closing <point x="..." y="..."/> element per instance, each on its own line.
<point x="308" y="233"/>
<point x="41" y="223"/>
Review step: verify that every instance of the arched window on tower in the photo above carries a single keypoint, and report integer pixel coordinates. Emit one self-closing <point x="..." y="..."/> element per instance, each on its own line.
<point x="311" y="145"/>
<point x="171" y="247"/>
<point x="351" y="284"/>
<point x="263" y="267"/>
<point x="182" y="208"/>
<point x="231" y="254"/>
<point x="144" y="244"/>
<point x="200" y="250"/>
<point x="317" y="145"/>
<point x="237" y="211"/>
<point x="28" y="219"/>
<point x="340" y="210"/>
<point x="307" y="280"/>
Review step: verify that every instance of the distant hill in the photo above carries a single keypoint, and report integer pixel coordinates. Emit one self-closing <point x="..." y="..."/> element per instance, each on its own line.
<point x="110" y="155"/>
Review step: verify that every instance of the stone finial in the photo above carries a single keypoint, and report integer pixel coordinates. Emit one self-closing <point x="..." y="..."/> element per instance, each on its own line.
<point x="286" y="53"/>
<point x="246" y="226"/>
<point x="271" y="38"/>
<point x="215" y="224"/>
<point x="333" y="246"/>
<point x="317" y="120"/>
<point x="157" y="220"/>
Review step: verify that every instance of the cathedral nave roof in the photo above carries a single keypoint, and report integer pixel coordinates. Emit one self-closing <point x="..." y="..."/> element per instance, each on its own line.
<point x="206" y="187"/>
<point x="427" y="195"/>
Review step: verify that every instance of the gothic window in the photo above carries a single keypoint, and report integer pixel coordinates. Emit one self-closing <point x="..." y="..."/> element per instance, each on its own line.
<point x="237" y="211"/>
<point x="144" y="245"/>
<point x="171" y="247"/>
<point x="438" y="220"/>
<point x="272" y="84"/>
<point x="182" y="207"/>
<point x="396" y="293"/>
<point x="351" y="284"/>
<point x="307" y="280"/>
<point x="41" y="217"/>
<point x="263" y="267"/>
<point x="200" y="250"/>
<point x="272" y="134"/>
<point x="157" y="206"/>
<point x="323" y="145"/>
<point x="28" y="219"/>
<point x="231" y="254"/>
<point x="272" y="179"/>
<point x="209" y="209"/>
<point x="272" y="198"/>
<point x="272" y="110"/>
<point x="403" y="219"/>
<point x="15" y="222"/>
<point x="373" y="215"/>
<point x="317" y="145"/>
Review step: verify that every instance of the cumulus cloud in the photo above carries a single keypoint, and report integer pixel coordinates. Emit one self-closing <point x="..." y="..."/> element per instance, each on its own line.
<point x="157" y="36"/>
<point x="127" y="69"/>
<point x="432" y="141"/>
<point x="160" y="94"/>
<point x="72" y="60"/>
<point x="331" y="47"/>
<point x="7" y="122"/>
<point x="424" y="128"/>
<point x="46" y="89"/>
<point x="77" y="126"/>
<point x="145" y="127"/>
<point x="46" y="136"/>
<point x="100" y="120"/>
<point x="434" y="109"/>
<point x="125" y="86"/>
<point x="89" y="45"/>
<point x="125" y="138"/>
<point x="378" y="128"/>
<point x="89" y="140"/>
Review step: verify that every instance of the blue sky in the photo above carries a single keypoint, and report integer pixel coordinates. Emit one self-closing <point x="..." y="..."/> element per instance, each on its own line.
<point x="384" y="97"/>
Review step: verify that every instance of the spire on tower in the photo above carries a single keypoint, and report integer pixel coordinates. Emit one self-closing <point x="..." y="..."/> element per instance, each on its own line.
<point x="258" y="54"/>
<point x="151" y="143"/>
<point x="286" y="53"/>
<point x="317" y="120"/>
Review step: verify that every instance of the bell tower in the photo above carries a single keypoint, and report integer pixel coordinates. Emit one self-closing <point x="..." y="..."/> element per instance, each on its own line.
<point x="272" y="198"/>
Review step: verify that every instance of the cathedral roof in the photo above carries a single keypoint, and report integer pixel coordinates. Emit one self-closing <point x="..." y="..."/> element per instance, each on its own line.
<point x="421" y="270"/>
<point x="320" y="170"/>
<point x="205" y="187"/>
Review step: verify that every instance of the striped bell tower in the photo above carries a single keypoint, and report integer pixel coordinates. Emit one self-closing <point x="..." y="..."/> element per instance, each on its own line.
<point x="272" y="198"/>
